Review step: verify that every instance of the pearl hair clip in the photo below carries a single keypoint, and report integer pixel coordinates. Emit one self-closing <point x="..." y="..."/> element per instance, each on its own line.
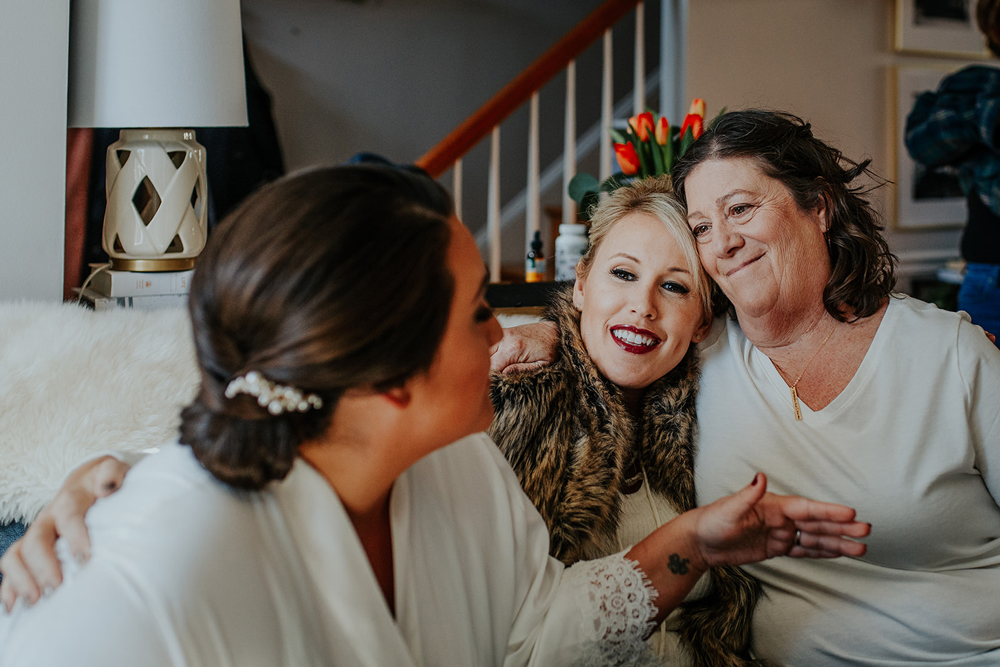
<point x="275" y="397"/>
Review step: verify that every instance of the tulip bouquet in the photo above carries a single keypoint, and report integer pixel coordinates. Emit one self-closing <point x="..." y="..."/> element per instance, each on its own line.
<point x="649" y="147"/>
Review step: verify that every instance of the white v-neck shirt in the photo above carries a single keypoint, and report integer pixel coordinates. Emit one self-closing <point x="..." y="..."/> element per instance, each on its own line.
<point x="913" y="443"/>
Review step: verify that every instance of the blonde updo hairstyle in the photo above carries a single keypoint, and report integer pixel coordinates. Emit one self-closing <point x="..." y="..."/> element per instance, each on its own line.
<point x="653" y="196"/>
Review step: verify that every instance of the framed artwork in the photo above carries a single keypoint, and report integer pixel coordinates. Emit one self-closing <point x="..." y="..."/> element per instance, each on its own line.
<point x="939" y="27"/>
<point x="925" y="197"/>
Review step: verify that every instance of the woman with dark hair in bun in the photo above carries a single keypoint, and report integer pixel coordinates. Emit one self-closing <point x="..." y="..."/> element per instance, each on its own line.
<point x="328" y="502"/>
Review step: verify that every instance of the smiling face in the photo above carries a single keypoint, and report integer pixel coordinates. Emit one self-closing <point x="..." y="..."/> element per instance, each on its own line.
<point x="639" y="306"/>
<point x="767" y="255"/>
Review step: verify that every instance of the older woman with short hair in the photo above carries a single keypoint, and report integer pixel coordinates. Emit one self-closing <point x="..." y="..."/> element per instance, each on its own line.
<point x="837" y="389"/>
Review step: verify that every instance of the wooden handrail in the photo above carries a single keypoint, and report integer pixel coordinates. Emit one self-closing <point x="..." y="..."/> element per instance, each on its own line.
<point x="438" y="159"/>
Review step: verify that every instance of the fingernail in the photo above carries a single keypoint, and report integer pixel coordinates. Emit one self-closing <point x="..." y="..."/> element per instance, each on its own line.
<point x="81" y="558"/>
<point x="755" y="478"/>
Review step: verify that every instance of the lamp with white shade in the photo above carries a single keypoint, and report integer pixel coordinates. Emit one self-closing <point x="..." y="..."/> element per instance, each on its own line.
<point x="156" y="67"/>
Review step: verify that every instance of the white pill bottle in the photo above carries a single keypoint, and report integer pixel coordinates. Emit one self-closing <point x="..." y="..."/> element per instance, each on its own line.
<point x="571" y="245"/>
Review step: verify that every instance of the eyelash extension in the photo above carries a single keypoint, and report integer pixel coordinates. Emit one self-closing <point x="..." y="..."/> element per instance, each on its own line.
<point x="676" y="288"/>
<point x="623" y="274"/>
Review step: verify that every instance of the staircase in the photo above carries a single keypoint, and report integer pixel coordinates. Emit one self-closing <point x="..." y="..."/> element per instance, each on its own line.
<point x="562" y="57"/>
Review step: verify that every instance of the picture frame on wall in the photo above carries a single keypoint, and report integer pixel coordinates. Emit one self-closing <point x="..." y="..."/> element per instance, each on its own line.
<point x="940" y="28"/>
<point x="926" y="198"/>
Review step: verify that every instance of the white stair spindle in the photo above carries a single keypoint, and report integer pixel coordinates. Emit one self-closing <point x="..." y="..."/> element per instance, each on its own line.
<point x="604" y="169"/>
<point x="456" y="187"/>
<point x="531" y="212"/>
<point x="639" y="93"/>
<point x="569" y="145"/>
<point x="493" y="206"/>
<point x="673" y="50"/>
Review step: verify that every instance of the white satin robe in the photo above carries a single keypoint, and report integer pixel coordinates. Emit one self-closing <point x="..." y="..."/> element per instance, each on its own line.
<point x="185" y="571"/>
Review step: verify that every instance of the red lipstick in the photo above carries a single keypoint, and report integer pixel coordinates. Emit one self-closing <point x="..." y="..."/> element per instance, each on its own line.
<point x="632" y="347"/>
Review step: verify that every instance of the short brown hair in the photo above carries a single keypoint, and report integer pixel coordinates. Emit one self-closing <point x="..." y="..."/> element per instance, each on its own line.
<point x="862" y="272"/>
<point x="327" y="280"/>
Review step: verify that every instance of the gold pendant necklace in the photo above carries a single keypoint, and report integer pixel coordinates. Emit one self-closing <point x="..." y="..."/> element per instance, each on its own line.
<point x="795" y="394"/>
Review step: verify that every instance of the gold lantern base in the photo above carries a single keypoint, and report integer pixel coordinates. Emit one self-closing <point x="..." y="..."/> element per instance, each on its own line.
<point x="152" y="265"/>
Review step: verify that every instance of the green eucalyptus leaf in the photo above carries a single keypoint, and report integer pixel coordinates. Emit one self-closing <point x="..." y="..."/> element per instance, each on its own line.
<point x="580" y="185"/>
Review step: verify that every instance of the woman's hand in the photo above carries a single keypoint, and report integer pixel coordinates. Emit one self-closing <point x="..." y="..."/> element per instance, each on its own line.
<point x="525" y="348"/>
<point x="748" y="526"/>
<point x="30" y="566"/>
<point x="753" y="525"/>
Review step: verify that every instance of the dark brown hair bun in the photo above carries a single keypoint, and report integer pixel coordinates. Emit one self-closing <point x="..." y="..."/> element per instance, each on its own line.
<point x="323" y="281"/>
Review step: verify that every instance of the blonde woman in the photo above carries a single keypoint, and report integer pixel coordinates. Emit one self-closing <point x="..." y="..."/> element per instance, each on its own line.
<point x="602" y="440"/>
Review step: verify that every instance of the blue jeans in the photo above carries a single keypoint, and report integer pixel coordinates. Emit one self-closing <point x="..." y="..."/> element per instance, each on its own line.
<point x="980" y="295"/>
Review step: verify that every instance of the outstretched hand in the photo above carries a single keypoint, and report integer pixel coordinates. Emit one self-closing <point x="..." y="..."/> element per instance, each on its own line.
<point x="30" y="565"/>
<point x="525" y="348"/>
<point x="753" y="525"/>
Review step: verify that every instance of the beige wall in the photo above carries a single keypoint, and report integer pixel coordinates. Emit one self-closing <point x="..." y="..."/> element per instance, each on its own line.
<point x="825" y="60"/>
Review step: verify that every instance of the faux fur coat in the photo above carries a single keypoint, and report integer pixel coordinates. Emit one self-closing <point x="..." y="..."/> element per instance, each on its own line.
<point x="570" y="439"/>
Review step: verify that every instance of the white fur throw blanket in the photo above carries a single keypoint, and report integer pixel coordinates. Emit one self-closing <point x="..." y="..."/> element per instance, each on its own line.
<point x="75" y="383"/>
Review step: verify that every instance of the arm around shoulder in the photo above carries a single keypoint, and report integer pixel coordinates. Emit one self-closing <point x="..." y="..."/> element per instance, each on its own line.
<point x="30" y="565"/>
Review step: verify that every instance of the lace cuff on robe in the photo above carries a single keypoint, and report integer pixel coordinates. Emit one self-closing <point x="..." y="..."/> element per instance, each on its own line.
<point x="616" y="602"/>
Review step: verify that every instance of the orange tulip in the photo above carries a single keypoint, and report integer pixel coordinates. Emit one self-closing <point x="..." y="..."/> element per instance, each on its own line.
<point x="697" y="107"/>
<point x="695" y="122"/>
<point x="645" y="125"/>
<point x="662" y="131"/>
<point x="627" y="158"/>
<point x="642" y="125"/>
